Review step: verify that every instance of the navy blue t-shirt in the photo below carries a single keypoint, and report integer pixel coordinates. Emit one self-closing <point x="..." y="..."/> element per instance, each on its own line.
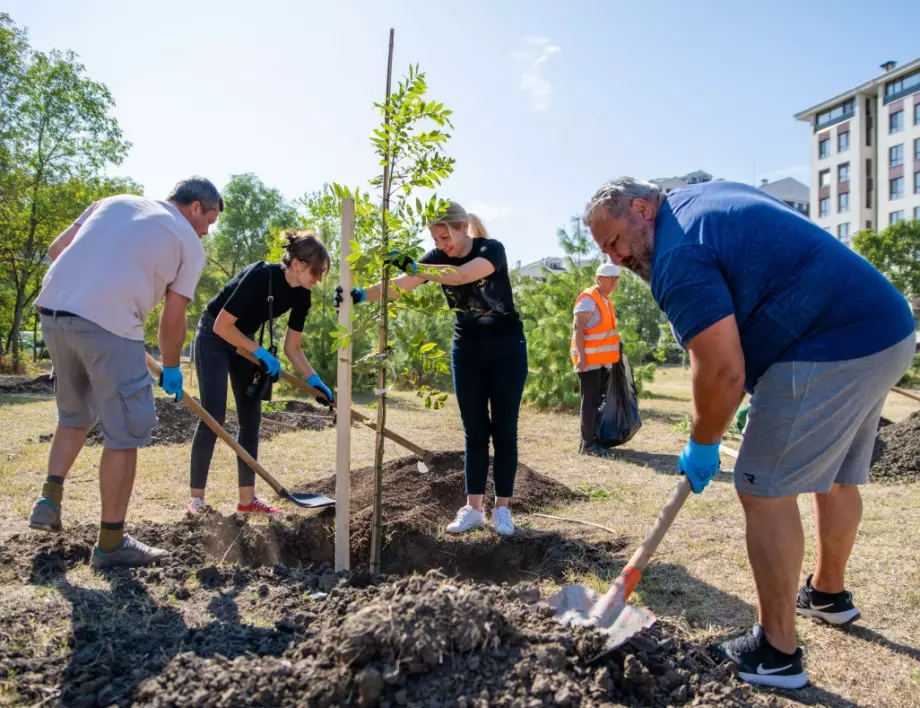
<point x="485" y="308"/>
<point x="798" y="294"/>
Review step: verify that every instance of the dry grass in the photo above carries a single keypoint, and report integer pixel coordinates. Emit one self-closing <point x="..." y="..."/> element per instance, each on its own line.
<point x="699" y="582"/>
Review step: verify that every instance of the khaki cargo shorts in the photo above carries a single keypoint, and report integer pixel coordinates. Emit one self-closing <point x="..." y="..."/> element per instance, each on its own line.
<point x="98" y="374"/>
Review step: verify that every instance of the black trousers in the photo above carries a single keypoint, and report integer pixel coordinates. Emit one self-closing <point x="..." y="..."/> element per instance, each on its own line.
<point x="215" y="360"/>
<point x="593" y="387"/>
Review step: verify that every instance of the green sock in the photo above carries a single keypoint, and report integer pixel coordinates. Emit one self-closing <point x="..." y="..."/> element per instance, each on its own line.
<point x="111" y="534"/>
<point x="54" y="489"/>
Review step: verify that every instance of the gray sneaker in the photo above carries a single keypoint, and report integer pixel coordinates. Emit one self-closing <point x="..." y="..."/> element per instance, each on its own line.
<point x="45" y="516"/>
<point x="131" y="553"/>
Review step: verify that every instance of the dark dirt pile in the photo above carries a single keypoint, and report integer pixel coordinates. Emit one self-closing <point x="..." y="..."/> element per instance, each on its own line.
<point x="220" y="635"/>
<point x="176" y="423"/>
<point x="418" y="505"/>
<point x="896" y="457"/>
<point x="39" y="385"/>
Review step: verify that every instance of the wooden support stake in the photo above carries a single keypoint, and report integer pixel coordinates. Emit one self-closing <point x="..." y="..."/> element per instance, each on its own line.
<point x="343" y="388"/>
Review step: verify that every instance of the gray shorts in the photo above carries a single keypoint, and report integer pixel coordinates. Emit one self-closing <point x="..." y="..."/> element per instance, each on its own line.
<point x="813" y="424"/>
<point x="98" y="374"/>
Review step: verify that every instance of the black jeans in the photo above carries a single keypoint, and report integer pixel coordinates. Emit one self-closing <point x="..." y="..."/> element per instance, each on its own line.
<point x="490" y="375"/>
<point x="593" y="387"/>
<point x="215" y="360"/>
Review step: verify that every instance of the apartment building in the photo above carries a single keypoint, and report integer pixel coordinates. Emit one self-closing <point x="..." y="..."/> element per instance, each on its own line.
<point x="865" y="153"/>
<point x="790" y="191"/>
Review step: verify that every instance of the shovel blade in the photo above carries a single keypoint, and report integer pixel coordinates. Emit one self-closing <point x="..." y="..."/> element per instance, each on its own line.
<point x="574" y="605"/>
<point x="308" y="500"/>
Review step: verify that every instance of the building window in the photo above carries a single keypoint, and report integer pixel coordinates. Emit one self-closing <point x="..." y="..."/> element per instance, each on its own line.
<point x="869" y="225"/>
<point x="903" y="86"/>
<point x="838" y="114"/>
<point x="917" y="146"/>
<point x="917" y="113"/>
<point x="896" y="155"/>
<point x="895" y="216"/>
<point x="824" y="148"/>
<point x="896" y="122"/>
<point x="843" y="202"/>
<point x="896" y="190"/>
<point x="916" y="182"/>
<point x="917" y="213"/>
<point x="843" y="141"/>
<point x="843" y="172"/>
<point x="843" y="232"/>
<point x="824" y="206"/>
<point x="824" y="178"/>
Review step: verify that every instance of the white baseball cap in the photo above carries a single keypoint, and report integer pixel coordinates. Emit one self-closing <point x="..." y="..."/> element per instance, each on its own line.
<point x="608" y="270"/>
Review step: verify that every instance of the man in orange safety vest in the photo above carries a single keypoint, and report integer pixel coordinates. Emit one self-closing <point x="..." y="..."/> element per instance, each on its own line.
<point x="595" y="348"/>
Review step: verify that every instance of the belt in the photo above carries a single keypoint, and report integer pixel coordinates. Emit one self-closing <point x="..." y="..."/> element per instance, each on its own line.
<point x="55" y="313"/>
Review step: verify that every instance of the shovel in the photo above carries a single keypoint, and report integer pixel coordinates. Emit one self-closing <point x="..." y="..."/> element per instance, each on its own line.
<point x="305" y="500"/>
<point x="426" y="455"/>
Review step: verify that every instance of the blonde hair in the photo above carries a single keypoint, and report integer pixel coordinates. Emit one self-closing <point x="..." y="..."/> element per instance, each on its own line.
<point x="306" y="248"/>
<point x="457" y="215"/>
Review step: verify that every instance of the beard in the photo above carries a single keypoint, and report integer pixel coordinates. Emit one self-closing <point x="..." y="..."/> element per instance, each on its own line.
<point x="640" y="262"/>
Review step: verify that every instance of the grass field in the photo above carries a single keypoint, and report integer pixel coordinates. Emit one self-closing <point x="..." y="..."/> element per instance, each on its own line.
<point x="699" y="581"/>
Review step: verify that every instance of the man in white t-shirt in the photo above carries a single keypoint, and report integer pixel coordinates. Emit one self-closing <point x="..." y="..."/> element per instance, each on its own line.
<point x="595" y="349"/>
<point x="120" y="259"/>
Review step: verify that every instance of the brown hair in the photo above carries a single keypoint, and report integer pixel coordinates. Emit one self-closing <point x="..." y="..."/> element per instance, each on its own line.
<point x="306" y="248"/>
<point x="457" y="215"/>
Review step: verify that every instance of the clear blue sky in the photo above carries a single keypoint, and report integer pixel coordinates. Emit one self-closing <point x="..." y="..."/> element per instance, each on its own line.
<point x="549" y="98"/>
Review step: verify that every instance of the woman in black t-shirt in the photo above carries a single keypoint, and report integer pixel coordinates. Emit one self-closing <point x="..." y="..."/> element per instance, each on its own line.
<point x="489" y="357"/>
<point x="231" y="320"/>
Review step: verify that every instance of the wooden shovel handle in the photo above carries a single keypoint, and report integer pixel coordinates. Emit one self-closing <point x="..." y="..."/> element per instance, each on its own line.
<point x="208" y="419"/>
<point x="426" y="455"/>
<point x="909" y="394"/>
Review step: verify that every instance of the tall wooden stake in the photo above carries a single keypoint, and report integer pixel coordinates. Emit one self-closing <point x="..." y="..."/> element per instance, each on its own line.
<point x="377" y="537"/>
<point x="343" y="388"/>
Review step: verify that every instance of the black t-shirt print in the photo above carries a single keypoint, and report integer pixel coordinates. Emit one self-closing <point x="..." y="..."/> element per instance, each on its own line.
<point x="484" y="308"/>
<point x="245" y="297"/>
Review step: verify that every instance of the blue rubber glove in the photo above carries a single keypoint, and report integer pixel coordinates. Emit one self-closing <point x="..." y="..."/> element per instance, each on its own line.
<point x="171" y="381"/>
<point x="402" y="261"/>
<point x="357" y="295"/>
<point x="700" y="463"/>
<point x="316" y="382"/>
<point x="273" y="365"/>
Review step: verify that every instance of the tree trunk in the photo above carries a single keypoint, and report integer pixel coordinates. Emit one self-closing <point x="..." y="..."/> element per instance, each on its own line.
<point x="17" y="325"/>
<point x="377" y="535"/>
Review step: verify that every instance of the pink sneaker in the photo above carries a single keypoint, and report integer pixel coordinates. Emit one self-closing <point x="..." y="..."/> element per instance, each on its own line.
<point x="257" y="507"/>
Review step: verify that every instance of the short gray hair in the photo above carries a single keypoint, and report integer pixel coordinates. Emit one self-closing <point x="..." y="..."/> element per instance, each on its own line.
<point x="197" y="189"/>
<point x="617" y="197"/>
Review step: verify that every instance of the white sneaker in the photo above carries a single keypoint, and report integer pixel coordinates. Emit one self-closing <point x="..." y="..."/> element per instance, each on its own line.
<point x="194" y="505"/>
<point x="467" y="519"/>
<point x="501" y="521"/>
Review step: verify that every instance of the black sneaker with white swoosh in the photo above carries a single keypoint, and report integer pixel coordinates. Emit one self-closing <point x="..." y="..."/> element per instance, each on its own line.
<point x="760" y="663"/>
<point x="833" y="608"/>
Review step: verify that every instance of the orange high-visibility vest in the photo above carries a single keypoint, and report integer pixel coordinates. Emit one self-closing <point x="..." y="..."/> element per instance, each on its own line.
<point x="602" y="343"/>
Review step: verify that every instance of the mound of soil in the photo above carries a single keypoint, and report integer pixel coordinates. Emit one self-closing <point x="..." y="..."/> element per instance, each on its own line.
<point x="176" y="423"/>
<point x="220" y="635"/>
<point x="896" y="457"/>
<point x="418" y="505"/>
<point x="43" y="384"/>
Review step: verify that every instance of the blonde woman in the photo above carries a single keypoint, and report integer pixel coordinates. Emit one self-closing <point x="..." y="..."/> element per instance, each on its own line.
<point x="489" y="356"/>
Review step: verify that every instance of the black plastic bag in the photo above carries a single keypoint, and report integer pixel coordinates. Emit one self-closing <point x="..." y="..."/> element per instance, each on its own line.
<point x="618" y="418"/>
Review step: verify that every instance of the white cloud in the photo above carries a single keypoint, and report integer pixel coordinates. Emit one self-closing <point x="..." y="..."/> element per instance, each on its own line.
<point x="531" y="59"/>
<point x="490" y="211"/>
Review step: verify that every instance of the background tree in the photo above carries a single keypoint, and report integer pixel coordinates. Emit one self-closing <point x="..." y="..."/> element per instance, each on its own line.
<point x="252" y="217"/>
<point x="578" y="245"/>
<point x="895" y="251"/>
<point x="58" y="139"/>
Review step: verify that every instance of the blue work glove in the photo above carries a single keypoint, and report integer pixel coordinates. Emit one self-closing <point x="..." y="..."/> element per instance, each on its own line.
<point x="271" y="363"/>
<point x="700" y="463"/>
<point x="357" y="295"/>
<point x="402" y="261"/>
<point x="316" y="382"/>
<point x="171" y="381"/>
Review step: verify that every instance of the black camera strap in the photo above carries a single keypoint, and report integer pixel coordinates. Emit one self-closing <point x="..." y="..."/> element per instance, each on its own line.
<point x="271" y="319"/>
